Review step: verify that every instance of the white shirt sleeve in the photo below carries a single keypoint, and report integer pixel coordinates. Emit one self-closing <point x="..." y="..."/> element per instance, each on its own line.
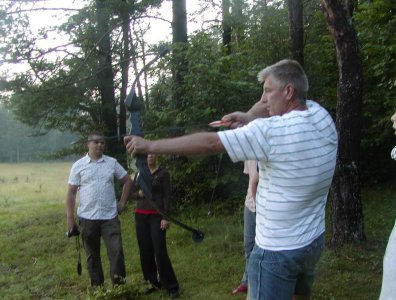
<point x="247" y="143"/>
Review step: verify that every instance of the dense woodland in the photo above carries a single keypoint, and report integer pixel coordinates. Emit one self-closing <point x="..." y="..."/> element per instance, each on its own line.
<point x="347" y="47"/>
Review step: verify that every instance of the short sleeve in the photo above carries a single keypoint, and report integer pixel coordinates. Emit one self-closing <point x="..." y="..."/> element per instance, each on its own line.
<point x="74" y="177"/>
<point x="119" y="170"/>
<point x="247" y="143"/>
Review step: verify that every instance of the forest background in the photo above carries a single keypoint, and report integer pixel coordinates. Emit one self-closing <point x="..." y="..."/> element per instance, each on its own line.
<point x="72" y="75"/>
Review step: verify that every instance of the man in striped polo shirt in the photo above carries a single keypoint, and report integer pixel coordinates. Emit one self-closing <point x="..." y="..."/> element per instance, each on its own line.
<point x="295" y="143"/>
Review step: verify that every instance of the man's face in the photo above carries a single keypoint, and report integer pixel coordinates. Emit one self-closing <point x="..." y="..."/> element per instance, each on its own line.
<point x="274" y="97"/>
<point x="151" y="158"/>
<point x="96" y="145"/>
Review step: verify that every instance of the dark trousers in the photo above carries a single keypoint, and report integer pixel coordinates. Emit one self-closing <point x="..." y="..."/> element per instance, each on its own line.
<point x="154" y="257"/>
<point x="110" y="231"/>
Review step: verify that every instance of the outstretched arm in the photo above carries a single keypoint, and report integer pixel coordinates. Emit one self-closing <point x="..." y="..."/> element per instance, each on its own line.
<point x="194" y="144"/>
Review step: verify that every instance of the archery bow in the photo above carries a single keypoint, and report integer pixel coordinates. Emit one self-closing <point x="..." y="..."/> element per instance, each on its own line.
<point x="144" y="178"/>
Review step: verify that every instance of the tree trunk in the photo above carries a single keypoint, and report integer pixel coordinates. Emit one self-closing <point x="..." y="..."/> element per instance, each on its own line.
<point x="347" y="214"/>
<point x="124" y="82"/>
<point x="105" y="77"/>
<point x="238" y="21"/>
<point x="179" y="22"/>
<point x="296" y="25"/>
<point x="124" y="70"/>
<point x="226" y="24"/>
<point x="179" y="60"/>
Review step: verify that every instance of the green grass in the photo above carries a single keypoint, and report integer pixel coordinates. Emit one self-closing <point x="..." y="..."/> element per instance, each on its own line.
<point x="39" y="262"/>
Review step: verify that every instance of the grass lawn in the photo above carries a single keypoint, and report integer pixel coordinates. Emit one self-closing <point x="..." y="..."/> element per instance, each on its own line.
<point x="39" y="262"/>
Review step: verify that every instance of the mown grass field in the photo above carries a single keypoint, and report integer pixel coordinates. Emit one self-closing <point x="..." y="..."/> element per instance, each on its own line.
<point x="39" y="262"/>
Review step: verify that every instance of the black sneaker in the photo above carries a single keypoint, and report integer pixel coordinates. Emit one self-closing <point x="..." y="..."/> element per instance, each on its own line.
<point x="174" y="294"/>
<point x="157" y="284"/>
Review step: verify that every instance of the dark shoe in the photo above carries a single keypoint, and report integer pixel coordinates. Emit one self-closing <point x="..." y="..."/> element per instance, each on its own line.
<point x="174" y="294"/>
<point x="242" y="288"/>
<point x="149" y="290"/>
<point x="157" y="284"/>
<point x="118" y="280"/>
<point x="151" y="287"/>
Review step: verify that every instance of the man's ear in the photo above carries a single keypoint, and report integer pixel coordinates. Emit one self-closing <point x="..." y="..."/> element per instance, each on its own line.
<point x="289" y="90"/>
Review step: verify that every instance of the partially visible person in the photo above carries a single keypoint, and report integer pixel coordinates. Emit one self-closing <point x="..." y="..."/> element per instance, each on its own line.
<point x="92" y="178"/>
<point x="296" y="150"/>
<point x="388" y="289"/>
<point x="249" y="220"/>
<point x="151" y="229"/>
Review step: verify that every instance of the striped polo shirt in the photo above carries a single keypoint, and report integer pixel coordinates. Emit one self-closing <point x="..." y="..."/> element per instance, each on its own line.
<point x="297" y="154"/>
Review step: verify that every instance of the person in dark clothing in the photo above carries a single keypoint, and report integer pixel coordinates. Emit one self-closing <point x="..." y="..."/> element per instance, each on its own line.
<point x="151" y="229"/>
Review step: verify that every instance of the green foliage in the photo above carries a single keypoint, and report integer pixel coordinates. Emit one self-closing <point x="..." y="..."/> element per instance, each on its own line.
<point x="379" y="59"/>
<point x="124" y="292"/>
<point x="63" y="93"/>
<point x="217" y="84"/>
<point x="268" y="33"/>
<point x="321" y="62"/>
<point x="16" y="42"/>
<point x="378" y="53"/>
<point x="222" y="83"/>
<point x="61" y="88"/>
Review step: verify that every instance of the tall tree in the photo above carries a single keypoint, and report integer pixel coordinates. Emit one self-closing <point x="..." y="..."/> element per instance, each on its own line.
<point x="233" y="23"/>
<point x="296" y="24"/>
<point x="347" y="215"/>
<point x="179" y="21"/>
<point x="105" y="75"/>
<point x="238" y="21"/>
<point x="125" y="54"/>
<point x="226" y="24"/>
<point x="179" y="39"/>
<point x="70" y="86"/>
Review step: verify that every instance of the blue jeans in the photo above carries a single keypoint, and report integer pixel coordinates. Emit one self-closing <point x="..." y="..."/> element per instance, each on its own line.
<point x="278" y="275"/>
<point x="249" y="233"/>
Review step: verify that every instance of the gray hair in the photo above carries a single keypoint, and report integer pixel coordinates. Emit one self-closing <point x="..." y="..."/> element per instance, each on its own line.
<point x="288" y="71"/>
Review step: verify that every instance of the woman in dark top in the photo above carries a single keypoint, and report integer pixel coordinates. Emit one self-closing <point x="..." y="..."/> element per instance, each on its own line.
<point x="151" y="231"/>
